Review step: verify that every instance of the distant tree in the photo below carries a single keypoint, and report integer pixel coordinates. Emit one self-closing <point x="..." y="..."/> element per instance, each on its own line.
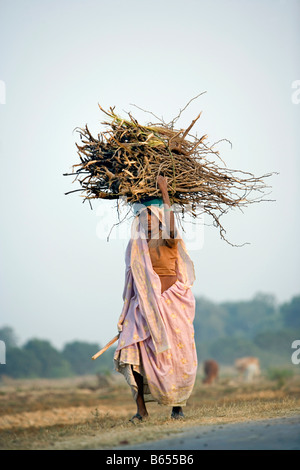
<point x="203" y="350"/>
<point x="291" y="312"/>
<point x="271" y="340"/>
<point x="8" y="336"/>
<point x="226" y="350"/>
<point x="246" y="318"/>
<point x="210" y="320"/>
<point x="277" y="342"/>
<point x="21" y="364"/>
<point x="79" y="355"/>
<point x="51" y="361"/>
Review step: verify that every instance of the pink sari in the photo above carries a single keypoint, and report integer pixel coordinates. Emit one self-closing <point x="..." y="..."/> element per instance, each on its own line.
<point x="156" y="330"/>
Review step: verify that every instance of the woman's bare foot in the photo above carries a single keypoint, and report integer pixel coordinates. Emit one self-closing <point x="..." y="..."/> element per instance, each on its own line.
<point x="141" y="413"/>
<point x="136" y="418"/>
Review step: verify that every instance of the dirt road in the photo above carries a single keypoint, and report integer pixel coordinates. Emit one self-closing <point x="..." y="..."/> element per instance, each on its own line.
<point x="270" y="434"/>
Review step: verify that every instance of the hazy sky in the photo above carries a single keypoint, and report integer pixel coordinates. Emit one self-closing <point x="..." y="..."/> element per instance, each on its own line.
<point x="60" y="279"/>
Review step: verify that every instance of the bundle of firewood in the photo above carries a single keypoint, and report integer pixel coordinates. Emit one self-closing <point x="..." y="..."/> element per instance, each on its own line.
<point x="126" y="158"/>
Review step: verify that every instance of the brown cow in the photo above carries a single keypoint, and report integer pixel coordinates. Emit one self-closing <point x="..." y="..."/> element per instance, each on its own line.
<point x="211" y="371"/>
<point x="249" y="366"/>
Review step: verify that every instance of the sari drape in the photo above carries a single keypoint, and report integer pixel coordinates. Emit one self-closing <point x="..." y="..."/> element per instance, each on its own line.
<point x="156" y="330"/>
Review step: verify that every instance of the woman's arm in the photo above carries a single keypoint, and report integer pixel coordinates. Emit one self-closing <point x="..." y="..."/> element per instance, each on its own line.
<point x="169" y="214"/>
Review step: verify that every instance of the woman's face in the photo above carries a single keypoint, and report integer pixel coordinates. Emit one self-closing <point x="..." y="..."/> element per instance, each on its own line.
<point x="149" y="222"/>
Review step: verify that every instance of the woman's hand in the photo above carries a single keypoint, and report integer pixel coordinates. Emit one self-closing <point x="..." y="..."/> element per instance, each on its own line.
<point x="162" y="182"/>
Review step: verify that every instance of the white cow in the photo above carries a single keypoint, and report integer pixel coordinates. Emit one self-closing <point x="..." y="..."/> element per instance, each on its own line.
<point x="249" y="367"/>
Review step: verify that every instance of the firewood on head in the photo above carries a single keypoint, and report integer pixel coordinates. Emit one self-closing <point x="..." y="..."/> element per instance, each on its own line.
<point x="125" y="160"/>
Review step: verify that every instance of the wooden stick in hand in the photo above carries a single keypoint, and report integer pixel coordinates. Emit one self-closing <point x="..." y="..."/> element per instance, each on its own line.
<point x="112" y="341"/>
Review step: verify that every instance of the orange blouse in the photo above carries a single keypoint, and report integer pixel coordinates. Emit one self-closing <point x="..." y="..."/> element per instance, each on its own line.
<point x="163" y="257"/>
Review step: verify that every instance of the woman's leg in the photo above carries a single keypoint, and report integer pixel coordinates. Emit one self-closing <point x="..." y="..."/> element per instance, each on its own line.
<point x="140" y="403"/>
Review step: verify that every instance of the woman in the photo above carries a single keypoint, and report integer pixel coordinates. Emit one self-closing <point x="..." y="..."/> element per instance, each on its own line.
<point x="156" y="351"/>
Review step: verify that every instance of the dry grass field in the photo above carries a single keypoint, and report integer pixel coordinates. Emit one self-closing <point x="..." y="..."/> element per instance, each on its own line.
<point x="81" y="413"/>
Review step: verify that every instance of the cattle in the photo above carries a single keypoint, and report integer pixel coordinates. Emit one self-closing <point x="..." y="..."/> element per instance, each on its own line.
<point x="211" y="371"/>
<point x="248" y="367"/>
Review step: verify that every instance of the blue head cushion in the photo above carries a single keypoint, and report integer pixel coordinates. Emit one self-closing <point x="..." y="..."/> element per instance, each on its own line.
<point x="149" y="201"/>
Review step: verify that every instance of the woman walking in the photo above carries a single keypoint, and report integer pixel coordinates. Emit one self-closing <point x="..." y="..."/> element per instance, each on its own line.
<point x="156" y="351"/>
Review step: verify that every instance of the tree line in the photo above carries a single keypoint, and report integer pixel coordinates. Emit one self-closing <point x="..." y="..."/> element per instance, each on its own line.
<point x="257" y="327"/>
<point x="39" y="358"/>
<point x="223" y="331"/>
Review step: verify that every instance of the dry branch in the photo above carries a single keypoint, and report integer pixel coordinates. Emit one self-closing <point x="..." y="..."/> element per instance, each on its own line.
<point x="125" y="160"/>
